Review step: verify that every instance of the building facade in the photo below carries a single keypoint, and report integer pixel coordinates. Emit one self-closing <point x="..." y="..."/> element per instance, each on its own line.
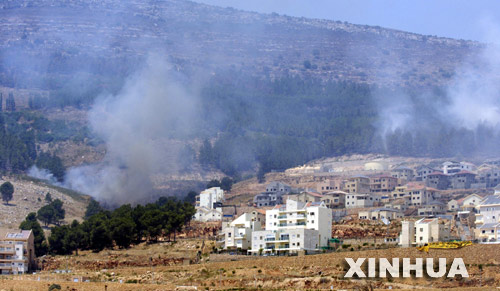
<point x="17" y="251"/>
<point x="293" y="227"/>
<point x="238" y="234"/>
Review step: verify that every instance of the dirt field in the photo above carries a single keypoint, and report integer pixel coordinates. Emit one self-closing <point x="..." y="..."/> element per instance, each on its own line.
<point x="137" y="271"/>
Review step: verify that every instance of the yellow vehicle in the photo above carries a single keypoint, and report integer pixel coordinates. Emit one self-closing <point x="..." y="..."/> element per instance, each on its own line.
<point x="444" y="245"/>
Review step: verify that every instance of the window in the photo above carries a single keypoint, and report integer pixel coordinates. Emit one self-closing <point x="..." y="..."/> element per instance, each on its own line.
<point x="298" y="244"/>
<point x="228" y="234"/>
<point x="298" y="235"/>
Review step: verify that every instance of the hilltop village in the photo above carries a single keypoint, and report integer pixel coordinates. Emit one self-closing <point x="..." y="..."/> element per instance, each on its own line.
<point x="408" y="205"/>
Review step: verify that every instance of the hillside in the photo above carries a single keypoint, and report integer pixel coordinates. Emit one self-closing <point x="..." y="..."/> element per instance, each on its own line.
<point x="177" y="90"/>
<point x="29" y="196"/>
<point x="45" y="42"/>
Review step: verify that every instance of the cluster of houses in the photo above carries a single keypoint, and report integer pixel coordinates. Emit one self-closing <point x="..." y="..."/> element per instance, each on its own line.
<point x="290" y="220"/>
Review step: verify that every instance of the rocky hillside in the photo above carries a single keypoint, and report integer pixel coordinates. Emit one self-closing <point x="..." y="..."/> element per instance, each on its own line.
<point x="29" y="196"/>
<point x="44" y="42"/>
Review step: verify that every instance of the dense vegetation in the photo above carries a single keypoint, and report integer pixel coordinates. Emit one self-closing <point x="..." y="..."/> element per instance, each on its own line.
<point x="122" y="227"/>
<point x="254" y="124"/>
<point x="22" y="131"/>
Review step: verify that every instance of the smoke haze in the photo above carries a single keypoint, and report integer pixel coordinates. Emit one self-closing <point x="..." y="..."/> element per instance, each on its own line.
<point x="151" y="107"/>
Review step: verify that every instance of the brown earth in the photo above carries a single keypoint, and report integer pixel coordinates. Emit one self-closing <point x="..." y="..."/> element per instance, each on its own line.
<point x="29" y="196"/>
<point x="318" y="272"/>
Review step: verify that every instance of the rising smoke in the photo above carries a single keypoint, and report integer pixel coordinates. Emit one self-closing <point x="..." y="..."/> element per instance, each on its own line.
<point x="470" y="101"/>
<point x="152" y="107"/>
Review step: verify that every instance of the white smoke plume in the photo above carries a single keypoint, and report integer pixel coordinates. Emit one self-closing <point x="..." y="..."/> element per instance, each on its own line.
<point x="43" y="174"/>
<point x="152" y="106"/>
<point x="472" y="96"/>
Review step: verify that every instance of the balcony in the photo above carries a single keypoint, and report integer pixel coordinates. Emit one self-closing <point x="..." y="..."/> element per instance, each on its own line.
<point x="282" y="217"/>
<point x="7" y="251"/>
<point x="292" y="224"/>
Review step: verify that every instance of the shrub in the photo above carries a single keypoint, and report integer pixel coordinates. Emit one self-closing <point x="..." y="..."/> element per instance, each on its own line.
<point x="54" y="287"/>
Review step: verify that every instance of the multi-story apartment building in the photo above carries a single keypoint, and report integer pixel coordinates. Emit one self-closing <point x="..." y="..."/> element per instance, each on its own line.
<point x="17" y="251"/>
<point x="423" y="172"/>
<point x="357" y="184"/>
<point x="402" y="172"/>
<point x="334" y="199"/>
<point x="432" y="208"/>
<point x="294" y="227"/>
<point x="488" y="176"/>
<point x="462" y="180"/>
<point x="238" y="234"/>
<point x="421" y="195"/>
<point x="438" y="180"/>
<point x="273" y="194"/>
<point x="452" y="167"/>
<point x="206" y="204"/>
<point x="208" y="197"/>
<point x="488" y="219"/>
<point x="383" y="184"/>
<point x="329" y="185"/>
<point x="361" y="200"/>
<point x="423" y="231"/>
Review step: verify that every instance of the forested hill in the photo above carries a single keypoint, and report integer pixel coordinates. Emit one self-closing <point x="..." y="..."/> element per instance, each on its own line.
<point x="46" y="44"/>
<point x="276" y="91"/>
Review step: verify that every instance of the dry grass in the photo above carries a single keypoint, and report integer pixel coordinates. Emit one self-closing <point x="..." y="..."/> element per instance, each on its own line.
<point x="295" y="273"/>
<point x="29" y="195"/>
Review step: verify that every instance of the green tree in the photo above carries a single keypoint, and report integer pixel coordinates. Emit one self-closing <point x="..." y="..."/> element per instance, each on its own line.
<point x="31" y="223"/>
<point x="7" y="190"/>
<point x="57" y="240"/>
<point x="213" y="183"/>
<point x="99" y="236"/>
<point x="74" y="237"/>
<point x="46" y="214"/>
<point x="92" y="208"/>
<point x="59" y="212"/>
<point x="153" y="222"/>
<point x="191" y="197"/>
<point x="48" y="198"/>
<point x="226" y="183"/>
<point x="122" y="231"/>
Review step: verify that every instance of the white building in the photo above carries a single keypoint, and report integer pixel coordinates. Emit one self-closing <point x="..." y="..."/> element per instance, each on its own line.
<point x="208" y="197"/>
<point x="353" y="200"/>
<point x="385" y="214"/>
<point x="238" y="234"/>
<point x="423" y="231"/>
<point x="455" y="167"/>
<point x="205" y="214"/>
<point x="205" y="210"/>
<point x="294" y="227"/>
<point x="488" y="219"/>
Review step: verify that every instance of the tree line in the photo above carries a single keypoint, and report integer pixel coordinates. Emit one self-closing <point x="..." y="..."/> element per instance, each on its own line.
<point x="121" y="227"/>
